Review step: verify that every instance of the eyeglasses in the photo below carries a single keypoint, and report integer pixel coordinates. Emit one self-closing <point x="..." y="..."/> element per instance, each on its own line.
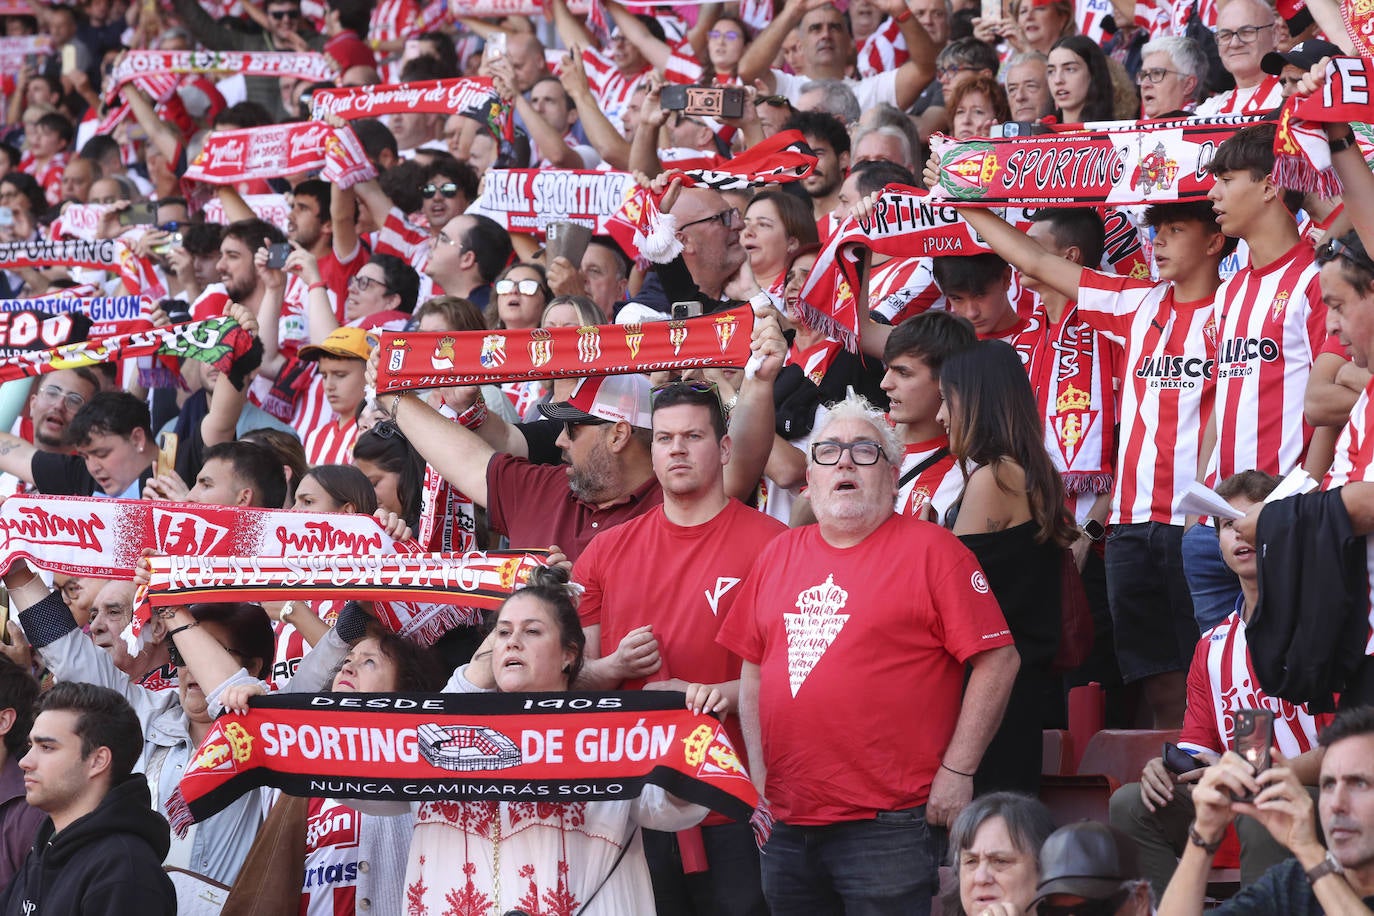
<point x="363" y="284"/>
<point x="729" y="33"/>
<point x="284" y="14"/>
<point x="864" y="451"/>
<point x="726" y="218"/>
<point x="449" y="189"/>
<point x="442" y="239"/>
<point x="1087" y="908"/>
<point x="777" y="101"/>
<point x="52" y="394"/>
<point x="1153" y="76"/>
<point x="1335" y="248"/>
<point x="570" y="427"/>
<point x="173" y="226"/>
<point x="1246" y="34"/>
<point x="524" y="287"/>
<point x="951" y="72"/>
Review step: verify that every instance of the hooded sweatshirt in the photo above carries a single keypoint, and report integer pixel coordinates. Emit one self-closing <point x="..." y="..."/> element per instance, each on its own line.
<point x="107" y="862"/>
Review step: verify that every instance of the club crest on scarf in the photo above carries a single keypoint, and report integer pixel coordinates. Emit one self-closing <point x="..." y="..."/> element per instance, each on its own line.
<point x="493" y="351"/>
<point x="725" y="329"/>
<point x="589" y="344"/>
<point x="634" y="336"/>
<point x="541" y="347"/>
<point x="443" y="354"/>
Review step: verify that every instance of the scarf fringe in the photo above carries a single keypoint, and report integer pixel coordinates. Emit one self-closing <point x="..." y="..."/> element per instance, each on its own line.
<point x="660" y="244"/>
<point x="1296" y="173"/>
<point x="427" y="630"/>
<point x="178" y="814"/>
<point x="1077" y="483"/>
<point x="825" y="323"/>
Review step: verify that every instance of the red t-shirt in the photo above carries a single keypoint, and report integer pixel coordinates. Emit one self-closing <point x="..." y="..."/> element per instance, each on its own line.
<point x="696" y="574"/>
<point x="532" y="505"/>
<point x="861" y="655"/>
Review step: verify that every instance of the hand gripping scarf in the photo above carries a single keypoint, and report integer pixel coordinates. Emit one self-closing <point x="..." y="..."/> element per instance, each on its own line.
<point x="442" y="359"/>
<point x="277" y="150"/>
<point x="1125" y="163"/>
<point x="906" y="222"/>
<point x="539" y="747"/>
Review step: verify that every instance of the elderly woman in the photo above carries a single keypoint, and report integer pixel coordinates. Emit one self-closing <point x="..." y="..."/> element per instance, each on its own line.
<point x="994" y="848"/>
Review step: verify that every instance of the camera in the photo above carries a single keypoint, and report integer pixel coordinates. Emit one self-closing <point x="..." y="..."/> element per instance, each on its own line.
<point x="704" y="101"/>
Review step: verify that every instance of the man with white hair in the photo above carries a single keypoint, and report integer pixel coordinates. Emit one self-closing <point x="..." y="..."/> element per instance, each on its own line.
<point x="1245" y="33"/>
<point x="839" y="640"/>
<point x="1172" y="68"/>
<point x="883" y="142"/>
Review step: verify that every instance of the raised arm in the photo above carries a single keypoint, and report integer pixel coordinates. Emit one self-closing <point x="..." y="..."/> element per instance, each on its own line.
<point x="157" y="130"/>
<point x="636" y="33"/>
<point x="757" y="62"/>
<point x="1024" y="253"/>
<point x="601" y="133"/>
<point x="752" y="421"/>
<point x="919" y="69"/>
<point x="571" y="29"/>
<point x="16" y="457"/>
<point x="458" y="454"/>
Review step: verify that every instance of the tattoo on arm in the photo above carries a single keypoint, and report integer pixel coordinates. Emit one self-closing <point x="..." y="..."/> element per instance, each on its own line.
<point x="996" y="524"/>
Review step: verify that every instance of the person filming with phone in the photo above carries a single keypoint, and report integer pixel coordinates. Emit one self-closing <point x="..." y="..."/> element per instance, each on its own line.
<point x="1335" y="878"/>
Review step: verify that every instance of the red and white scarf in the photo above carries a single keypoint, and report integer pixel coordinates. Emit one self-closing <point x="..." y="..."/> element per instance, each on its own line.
<point x="278" y="150"/>
<point x="410" y="361"/>
<point x="1302" y="154"/>
<point x="453" y="96"/>
<point x="317" y="68"/>
<point x="1127" y="163"/>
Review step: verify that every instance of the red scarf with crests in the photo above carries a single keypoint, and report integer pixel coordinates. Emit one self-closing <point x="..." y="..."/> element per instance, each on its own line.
<point x="413" y="361"/>
<point x="1302" y="154"/>
<point x="546" y="747"/>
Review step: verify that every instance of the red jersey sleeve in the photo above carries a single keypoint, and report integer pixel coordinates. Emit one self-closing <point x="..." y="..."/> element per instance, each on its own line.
<point x="1333" y="345"/>
<point x="967" y="615"/>
<point x="1199" y="720"/>
<point x="586" y="572"/>
<point x="1108" y="301"/>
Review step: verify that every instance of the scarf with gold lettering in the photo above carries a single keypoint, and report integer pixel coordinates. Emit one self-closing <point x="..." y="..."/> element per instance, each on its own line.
<point x="548" y="748"/>
<point x="1302" y="154"/>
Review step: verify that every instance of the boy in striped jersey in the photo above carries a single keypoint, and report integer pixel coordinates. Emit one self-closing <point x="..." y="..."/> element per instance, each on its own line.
<point x="1168" y="334"/>
<point x="1156" y="811"/>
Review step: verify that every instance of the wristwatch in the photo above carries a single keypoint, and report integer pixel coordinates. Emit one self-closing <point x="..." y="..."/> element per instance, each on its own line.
<point x="1344" y="143"/>
<point x="1197" y="840"/>
<point x="1094" y="529"/>
<point x="1327" y="866"/>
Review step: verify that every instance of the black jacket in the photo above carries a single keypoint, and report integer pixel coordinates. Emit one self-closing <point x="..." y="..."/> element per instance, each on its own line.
<point x="1307" y="634"/>
<point x="108" y="862"/>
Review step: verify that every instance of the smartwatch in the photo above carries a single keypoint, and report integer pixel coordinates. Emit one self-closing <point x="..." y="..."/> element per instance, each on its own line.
<point x="1094" y="529"/>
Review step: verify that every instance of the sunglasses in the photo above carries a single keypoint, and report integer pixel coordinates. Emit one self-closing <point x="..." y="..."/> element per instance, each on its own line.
<point x="777" y="101"/>
<point x="570" y="427"/>
<point x="524" y="287"/>
<point x="1335" y="248"/>
<point x="448" y="189"/>
<point x="699" y="386"/>
<point x="285" y="14"/>
<point x="730" y="34"/>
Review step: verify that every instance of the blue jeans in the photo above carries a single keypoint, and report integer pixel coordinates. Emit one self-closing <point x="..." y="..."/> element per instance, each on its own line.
<point x="880" y="867"/>
<point x="1215" y="588"/>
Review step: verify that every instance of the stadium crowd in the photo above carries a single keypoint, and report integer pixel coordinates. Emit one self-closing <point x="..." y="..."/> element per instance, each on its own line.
<point x="1094" y="441"/>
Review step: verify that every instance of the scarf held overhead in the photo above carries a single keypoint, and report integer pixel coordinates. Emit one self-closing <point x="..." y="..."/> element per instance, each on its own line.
<point x="453" y="96"/>
<point x="541" y="747"/>
<point x="315" y="68"/>
<point x="527" y="200"/>
<point x="906" y="222"/>
<point x="443" y="359"/>
<point x="1128" y="163"/>
<point x="1302" y="154"/>
<point x="217" y="341"/>
<point x="278" y="150"/>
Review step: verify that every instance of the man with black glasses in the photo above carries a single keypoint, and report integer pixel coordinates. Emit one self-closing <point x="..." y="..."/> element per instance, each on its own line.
<point x="846" y="627"/>
<point x="1245" y="33"/>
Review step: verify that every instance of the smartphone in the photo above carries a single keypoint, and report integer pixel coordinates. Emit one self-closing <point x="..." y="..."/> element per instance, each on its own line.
<point x="704" y="101"/>
<point x="166" y="453"/>
<point x="992" y="9"/>
<point x="682" y="310"/>
<point x="173" y="241"/>
<point x="1179" y="761"/>
<point x="143" y="213"/>
<point x="496" y="46"/>
<point x="1253" y="738"/>
<point x="31" y="62"/>
<point x="277" y="255"/>
<point x="68" y="60"/>
<point x="6" y="216"/>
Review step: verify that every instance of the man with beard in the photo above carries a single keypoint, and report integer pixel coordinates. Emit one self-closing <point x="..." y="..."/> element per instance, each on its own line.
<point x="239" y="280"/>
<point x="659" y="631"/>
<point x="54" y="402"/>
<point x="309" y="224"/>
<point x="828" y="139"/>
<point x="839" y="640"/>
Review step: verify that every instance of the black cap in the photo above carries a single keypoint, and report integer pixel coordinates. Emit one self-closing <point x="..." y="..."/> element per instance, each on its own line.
<point x="1303" y="55"/>
<point x="1088" y="859"/>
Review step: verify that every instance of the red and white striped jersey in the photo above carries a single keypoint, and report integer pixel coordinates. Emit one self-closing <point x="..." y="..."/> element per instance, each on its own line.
<point x="392" y="20"/>
<point x="402" y="238"/>
<point x="1260" y="99"/>
<point x="611" y="87"/>
<point x="1353" y="462"/>
<point x="1271" y="324"/>
<point x="331" y="443"/>
<point x="902" y="288"/>
<point x="884" y="50"/>
<point x="49" y="176"/>
<point x="1221" y="680"/>
<point x="938" y="485"/>
<point x="291" y="647"/>
<point x="333" y="837"/>
<point x="1168" y="385"/>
